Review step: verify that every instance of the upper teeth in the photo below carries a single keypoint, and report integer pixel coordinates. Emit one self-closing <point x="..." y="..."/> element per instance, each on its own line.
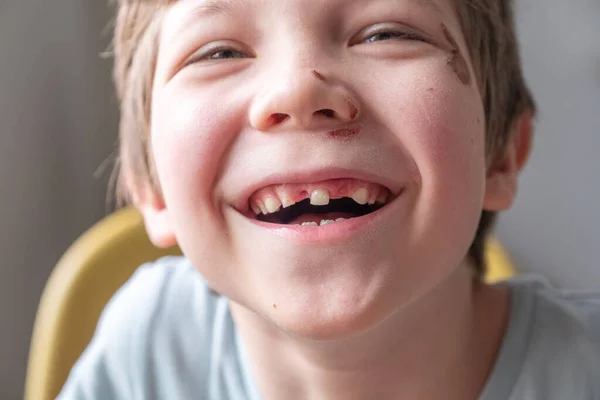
<point x="272" y="205"/>
<point x="287" y="202"/>
<point x="319" y="197"/>
<point x="271" y="199"/>
<point x="361" y="196"/>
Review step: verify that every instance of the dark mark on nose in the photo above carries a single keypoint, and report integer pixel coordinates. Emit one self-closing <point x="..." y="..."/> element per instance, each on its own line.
<point x="318" y="75"/>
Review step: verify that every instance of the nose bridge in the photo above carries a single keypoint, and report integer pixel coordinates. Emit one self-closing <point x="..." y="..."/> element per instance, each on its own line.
<point x="297" y="93"/>
<point x="296" y="54"/>
<point x="299" y="89"/>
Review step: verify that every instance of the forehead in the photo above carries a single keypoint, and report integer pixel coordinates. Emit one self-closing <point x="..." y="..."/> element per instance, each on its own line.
<point x="195" y="9"/>
<point x="221" y="6"/>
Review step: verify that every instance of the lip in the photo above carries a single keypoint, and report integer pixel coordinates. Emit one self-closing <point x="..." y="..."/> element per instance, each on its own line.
<point x="291" y="177"/>
<point x="332" y="233"/>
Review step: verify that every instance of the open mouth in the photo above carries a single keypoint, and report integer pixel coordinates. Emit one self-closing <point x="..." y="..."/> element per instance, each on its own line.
<point x="318" y="204"/>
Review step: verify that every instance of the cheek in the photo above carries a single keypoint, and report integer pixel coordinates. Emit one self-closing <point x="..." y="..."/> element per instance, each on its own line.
<point x="449" y="153"/>
<point x="190" y="134"/>
<point x="447" y="141"/>
<point x="438" y="121"/>
<point x="436" y="118"/>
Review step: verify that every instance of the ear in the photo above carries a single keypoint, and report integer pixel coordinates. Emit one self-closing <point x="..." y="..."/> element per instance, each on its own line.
<point x="503" y="174"/>
<point x="156" y="219"/>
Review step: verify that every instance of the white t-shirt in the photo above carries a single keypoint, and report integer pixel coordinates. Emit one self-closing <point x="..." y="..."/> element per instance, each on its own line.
<point x="164" y="335"/>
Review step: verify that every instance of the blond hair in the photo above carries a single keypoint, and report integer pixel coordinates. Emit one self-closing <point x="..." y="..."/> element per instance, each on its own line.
<point x="488" y="27"/>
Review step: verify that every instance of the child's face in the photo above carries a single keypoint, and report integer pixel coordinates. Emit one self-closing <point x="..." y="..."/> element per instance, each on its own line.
<point x="258" y="94"/>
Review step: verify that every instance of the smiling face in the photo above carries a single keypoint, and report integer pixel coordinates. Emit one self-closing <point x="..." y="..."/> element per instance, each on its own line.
<point x="263" y="104"/>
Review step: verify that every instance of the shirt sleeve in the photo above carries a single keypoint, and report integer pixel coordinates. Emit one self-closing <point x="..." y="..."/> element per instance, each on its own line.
<point x="114" y="364"/>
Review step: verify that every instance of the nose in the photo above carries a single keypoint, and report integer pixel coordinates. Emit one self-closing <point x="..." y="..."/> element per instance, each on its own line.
<point x="302" y="100"/>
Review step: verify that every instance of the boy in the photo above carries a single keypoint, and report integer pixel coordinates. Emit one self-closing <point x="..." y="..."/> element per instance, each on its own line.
<point x="331" y="169"/>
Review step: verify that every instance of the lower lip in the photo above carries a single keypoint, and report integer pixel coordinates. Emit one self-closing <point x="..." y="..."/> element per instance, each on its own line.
<point x="333" y="232"/>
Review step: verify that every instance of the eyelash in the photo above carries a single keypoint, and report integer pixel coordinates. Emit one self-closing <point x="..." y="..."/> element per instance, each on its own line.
<point x="393" y="34"/>
<point x="211" y="53"/>
<point x="225" y="50"/>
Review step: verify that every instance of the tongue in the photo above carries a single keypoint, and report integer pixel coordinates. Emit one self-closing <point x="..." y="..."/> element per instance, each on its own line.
<point x="332" y="216"/>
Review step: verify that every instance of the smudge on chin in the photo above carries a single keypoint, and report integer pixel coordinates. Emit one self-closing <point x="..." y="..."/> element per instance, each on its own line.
<point x="456" y="60"/>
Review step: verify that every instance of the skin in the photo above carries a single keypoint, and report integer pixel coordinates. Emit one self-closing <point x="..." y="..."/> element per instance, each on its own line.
<point x="392" y="308"/>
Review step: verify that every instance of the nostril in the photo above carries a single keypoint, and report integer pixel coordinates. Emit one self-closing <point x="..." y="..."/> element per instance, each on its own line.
<point x="327" y="112"/>
<point x="278" y="118"/>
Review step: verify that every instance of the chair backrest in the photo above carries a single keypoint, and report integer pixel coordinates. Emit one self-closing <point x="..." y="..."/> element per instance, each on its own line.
<point x="499" y="264"/>
<point x="87" y="276"/>
<point x="78" y="289"/>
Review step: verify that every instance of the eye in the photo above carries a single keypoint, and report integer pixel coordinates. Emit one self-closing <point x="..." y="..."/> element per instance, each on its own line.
<point x="385" y="33"/>
<point x="388" y="35"/>
<point x="217" y="52"/>
<point x="224" y="54"/>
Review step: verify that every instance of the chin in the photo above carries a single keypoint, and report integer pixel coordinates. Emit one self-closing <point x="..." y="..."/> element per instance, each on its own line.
<point x="337" y="308"/>
<point x="339" y="326"/>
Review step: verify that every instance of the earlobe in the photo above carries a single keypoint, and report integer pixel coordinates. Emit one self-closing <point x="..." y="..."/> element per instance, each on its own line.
<point x="158" y="224"/>
<point x="502" y="177"/>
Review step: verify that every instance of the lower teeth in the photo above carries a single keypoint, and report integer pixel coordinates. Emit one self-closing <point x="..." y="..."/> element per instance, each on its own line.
<point x="323" y="222"/>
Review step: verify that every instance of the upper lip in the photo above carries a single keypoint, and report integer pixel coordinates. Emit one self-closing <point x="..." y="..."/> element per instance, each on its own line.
<point x="241" y="202"/>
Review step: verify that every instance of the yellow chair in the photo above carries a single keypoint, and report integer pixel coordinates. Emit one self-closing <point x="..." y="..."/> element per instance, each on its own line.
<point x="87" y="276"/>
<point x="499" y="264"/>
<point x="83" y="281"/>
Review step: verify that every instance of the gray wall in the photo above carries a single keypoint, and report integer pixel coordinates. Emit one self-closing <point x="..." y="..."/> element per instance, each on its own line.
<point x="554" y="227"/>
<point x="58" y="123"/>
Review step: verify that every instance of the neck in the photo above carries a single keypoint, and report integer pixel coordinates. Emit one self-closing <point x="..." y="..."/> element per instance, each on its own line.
<point x="441" y="346"/>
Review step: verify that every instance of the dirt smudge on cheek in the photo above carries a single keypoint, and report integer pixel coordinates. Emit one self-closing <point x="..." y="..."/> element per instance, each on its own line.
<point x="456" y="60"/>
